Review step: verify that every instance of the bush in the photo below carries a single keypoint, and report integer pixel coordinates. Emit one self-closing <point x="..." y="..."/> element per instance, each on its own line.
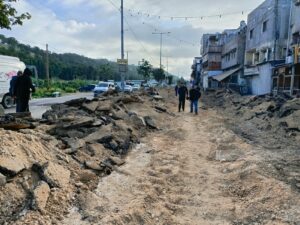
<point x="56" y="86"/>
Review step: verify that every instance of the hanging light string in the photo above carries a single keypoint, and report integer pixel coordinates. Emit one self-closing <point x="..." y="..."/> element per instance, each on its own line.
<point x="169" y="36"/>
<point x="132" y="31"/>
<point x="148" y="15"/>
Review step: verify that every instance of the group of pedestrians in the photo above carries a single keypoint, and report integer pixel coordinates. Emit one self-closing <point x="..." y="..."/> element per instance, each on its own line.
<point x="193" y="95"/>
<point x="20" y="89"/>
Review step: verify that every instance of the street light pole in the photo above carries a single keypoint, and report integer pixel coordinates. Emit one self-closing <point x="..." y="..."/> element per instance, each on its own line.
<point x="122" y="30"/>
<point x="122" y="43"/>
<point x="161" y="34"/>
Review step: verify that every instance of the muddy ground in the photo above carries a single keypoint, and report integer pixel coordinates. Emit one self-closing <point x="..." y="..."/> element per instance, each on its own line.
<point x="186" y="169"/>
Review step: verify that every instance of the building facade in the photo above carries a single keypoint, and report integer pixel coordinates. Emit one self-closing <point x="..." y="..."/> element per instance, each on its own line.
<point x="233" y="51"/>
<point x="266" y="43"/>
<point x="196" y="71"/>
<point x="286" y="77"/>
<point x="211" y="52"/>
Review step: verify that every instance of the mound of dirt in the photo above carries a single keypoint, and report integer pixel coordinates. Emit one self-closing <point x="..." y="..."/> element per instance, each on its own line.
<point x="270" y="123"/>
<point x="48" y="169"/>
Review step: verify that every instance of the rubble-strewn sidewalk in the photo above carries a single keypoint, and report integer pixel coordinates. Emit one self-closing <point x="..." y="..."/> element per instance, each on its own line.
<point x="45" y="167"/>
<point x="271" y="123"/>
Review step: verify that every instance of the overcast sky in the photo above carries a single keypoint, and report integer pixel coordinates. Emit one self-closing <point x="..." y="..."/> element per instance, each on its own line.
<point x="92" y="27"/>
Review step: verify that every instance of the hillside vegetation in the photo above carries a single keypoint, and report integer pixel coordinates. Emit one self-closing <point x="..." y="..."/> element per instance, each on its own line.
<point x="66" y="66"/>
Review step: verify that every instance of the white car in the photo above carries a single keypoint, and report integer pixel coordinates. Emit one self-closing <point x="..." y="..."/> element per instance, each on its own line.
<point x="103" y="87"/>
<point x="136" y="87"/>
<point x="128" y="88"/>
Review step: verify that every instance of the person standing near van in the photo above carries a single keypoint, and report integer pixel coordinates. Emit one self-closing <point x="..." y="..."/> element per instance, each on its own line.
<point x="12" y="87"/>
<point x="22" y="90"/>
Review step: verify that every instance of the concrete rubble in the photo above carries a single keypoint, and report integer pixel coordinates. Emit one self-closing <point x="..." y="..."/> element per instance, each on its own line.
<point x="270" y="123"/>
<point x="66" y="153"/>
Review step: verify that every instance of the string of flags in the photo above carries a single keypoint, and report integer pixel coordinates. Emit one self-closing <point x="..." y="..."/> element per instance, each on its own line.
<point x="170" y="36"/>
<point x="201" y="17"/>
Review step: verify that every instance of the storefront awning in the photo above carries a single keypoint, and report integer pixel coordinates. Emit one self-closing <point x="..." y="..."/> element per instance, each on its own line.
<point x="212" y="73"/>
<point x="225" y="74"/>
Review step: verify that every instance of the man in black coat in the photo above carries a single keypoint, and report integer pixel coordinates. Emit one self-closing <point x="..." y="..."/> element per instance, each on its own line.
<point x="183" y="94"/>
<point x="23" y="87"/>
<point x="195" y="94"/>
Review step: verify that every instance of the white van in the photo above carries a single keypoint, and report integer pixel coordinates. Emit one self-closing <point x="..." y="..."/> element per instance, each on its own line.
<point x="9" y="66"/>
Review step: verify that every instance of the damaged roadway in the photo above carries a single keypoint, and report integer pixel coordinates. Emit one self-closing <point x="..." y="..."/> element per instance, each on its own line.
<point x="128" y="159"/>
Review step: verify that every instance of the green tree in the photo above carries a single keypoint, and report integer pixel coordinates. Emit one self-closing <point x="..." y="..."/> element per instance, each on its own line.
<point x="145" y="69"/>
<point x="9" y="15"/>
<point x="158" y="74"/>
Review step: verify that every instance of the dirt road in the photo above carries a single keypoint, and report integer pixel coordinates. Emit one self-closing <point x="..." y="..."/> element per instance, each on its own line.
<point x="194" y="171"/>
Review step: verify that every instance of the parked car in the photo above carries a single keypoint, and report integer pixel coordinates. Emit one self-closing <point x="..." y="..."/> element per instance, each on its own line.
<point x="87" y="88"/>
<point x="136" y="87"/>
<point x="128" y="88"/>
<point x="103" y="87"/>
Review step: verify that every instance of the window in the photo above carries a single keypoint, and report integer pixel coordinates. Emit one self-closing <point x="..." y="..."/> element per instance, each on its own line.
<point x="251" y="34"/>
<point x="265" y="26"/>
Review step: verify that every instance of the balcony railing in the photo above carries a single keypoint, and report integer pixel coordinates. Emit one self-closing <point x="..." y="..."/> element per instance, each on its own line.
<point x="212" y="49"/>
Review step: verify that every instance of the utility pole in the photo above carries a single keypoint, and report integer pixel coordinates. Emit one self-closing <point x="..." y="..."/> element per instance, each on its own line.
<point x="122" y="44"/>
<point x="161" y="34"/>
<point x="47" y="67"/>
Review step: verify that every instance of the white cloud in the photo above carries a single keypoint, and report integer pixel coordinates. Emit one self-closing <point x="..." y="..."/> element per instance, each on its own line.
<point x="92" y="27"/>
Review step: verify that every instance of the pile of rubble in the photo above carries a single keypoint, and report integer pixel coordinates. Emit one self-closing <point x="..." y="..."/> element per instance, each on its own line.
<point x="271" y="124"/>
<point x="253" y="117"/>
<point x="44" y="171"/>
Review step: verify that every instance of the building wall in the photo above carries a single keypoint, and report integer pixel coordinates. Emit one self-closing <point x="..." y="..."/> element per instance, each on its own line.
<point x="234" y="47"/>
<point x="295" y="23"/>
<point x="262" y="84"/>
<point x="267" y="31"/>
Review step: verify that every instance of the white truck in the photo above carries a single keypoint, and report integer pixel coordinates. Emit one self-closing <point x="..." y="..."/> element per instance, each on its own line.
<point x="9" y="66"/>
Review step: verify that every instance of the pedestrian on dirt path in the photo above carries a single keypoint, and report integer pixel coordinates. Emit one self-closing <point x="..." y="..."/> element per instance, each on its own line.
<point x="183" y="94"/>
<point x="22" y="90"/>
<point x="12" y="85"/>
<point x="176" y="90"/>
<point x="195" y="95"/>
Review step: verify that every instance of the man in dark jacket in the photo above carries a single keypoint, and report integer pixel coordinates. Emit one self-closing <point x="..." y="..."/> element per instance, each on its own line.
<point x="183" y="94"/>
<point x="22" y="90"/>
<point x="195" y="94"/>
<point x="12" y="87"/>
<point x="176" y="90"/>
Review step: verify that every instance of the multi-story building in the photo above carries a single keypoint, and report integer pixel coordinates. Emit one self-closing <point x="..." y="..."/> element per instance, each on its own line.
<point x="266" y="43"/>
<point x="295" y="82"/>
<point x="286" y="77"/>
<point x="211" y="52"/>
<point x="233" y="51"/>
<point x="196" y="71"/>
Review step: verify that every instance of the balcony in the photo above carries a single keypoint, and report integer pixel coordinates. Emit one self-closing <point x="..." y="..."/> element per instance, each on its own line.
<point x="212" y="49"/>
<point x="213" y="66"/>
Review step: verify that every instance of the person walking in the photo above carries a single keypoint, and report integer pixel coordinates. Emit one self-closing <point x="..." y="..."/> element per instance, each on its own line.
<point x="176" y="90"/>
<point x="182" y="94"/>
<point x="22" y="89"/>
<point x="195" y="95"/>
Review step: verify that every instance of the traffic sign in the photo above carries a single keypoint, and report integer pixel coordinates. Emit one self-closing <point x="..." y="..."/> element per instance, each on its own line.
<point x="122" y="61"/>
<point x="123" y="68"/>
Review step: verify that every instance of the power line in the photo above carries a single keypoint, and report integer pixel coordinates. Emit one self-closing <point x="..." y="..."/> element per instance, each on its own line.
<point x="130" y="28"/>
<point x="148" y="15"/>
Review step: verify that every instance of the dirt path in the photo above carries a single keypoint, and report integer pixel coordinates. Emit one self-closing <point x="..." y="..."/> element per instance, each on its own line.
<point x="196" y="172"/>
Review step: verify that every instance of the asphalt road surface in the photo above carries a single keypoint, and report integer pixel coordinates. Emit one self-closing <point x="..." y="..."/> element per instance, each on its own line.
<point x="39" y="106"/>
